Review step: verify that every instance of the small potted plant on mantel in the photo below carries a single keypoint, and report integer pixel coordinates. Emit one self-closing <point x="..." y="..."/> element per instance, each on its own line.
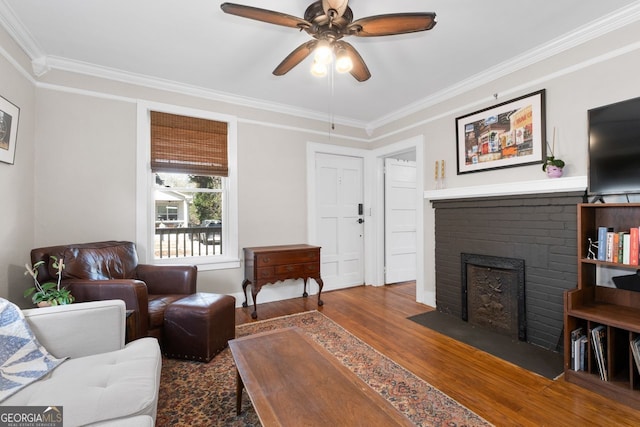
<point x="552" y="166"/>
<point x="50" y="293"/>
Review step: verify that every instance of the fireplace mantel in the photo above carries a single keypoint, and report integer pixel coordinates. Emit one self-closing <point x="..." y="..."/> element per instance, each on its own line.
<point x="540" y="186"/>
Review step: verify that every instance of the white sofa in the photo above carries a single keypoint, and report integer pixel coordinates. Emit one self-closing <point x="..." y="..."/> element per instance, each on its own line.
<point x="104" y="382"/>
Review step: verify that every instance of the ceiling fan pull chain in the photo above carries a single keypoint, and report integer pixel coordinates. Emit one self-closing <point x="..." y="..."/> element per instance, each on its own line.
<point x="331" y="92"/>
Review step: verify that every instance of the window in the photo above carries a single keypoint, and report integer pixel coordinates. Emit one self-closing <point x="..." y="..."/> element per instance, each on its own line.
<point x="187" y="187"/>
<point x="188" y="215"/>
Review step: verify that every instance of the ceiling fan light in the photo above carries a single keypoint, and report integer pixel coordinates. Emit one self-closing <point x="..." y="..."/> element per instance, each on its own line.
<point x="344" y="64"/>
<point x="319" y="69"/>
<point x="323" y="53"/>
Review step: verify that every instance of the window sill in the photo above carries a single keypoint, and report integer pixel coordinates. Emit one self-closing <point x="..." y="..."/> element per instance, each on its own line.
<point x="203" y="263"/>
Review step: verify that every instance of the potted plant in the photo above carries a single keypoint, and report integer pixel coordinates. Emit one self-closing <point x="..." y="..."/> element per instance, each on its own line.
<point x="50" y="293"/>
<point x="552" y="166"/>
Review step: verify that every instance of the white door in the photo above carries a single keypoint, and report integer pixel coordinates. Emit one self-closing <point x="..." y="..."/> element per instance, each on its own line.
<point x="340" y="228"/>
<point x="400" y="220"/>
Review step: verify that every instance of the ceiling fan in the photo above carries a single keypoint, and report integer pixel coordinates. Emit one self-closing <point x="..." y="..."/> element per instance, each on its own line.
<point x="328" y="21"/>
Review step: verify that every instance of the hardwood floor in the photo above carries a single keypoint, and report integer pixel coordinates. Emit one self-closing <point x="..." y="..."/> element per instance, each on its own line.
<point x="500" y="392"/>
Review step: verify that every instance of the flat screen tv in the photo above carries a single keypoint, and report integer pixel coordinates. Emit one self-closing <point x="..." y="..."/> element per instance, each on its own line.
<point x="614" y="148"/>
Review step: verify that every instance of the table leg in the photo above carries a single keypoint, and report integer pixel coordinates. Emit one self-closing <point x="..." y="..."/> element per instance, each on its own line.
<point x="254" y="294"/>
<point x="245" y="283"/>
<point x="304" y="289"/>
<point x="239" y="387"/>
<point x="321" y="284"/>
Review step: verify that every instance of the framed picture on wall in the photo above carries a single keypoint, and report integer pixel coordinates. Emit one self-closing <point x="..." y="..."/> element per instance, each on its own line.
<point x="505" y="135"/>
<point x="9" y="114"/>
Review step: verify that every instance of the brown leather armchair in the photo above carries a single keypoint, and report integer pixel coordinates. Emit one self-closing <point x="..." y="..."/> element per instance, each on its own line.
<point x="110" y="270"/>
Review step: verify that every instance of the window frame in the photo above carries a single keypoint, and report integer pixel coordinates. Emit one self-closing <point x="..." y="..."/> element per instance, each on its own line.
<point x="145" y="181"/>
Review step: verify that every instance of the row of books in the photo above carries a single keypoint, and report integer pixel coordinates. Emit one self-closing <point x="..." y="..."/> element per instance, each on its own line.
<point x="619" y="246"/>
<point x="598" y="342"/>
<point x="579" y="350"/>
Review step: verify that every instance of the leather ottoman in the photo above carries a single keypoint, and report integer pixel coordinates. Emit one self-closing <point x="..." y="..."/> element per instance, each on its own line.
<point x="199" y="326"/>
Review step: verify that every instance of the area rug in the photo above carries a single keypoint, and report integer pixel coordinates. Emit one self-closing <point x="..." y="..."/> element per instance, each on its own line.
<point x="533" y="358"/>
<point x="204" y="394"/>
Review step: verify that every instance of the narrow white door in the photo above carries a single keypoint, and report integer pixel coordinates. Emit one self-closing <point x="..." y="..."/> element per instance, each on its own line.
<point x="400" y="220"/>
<point x="340" y="228"/>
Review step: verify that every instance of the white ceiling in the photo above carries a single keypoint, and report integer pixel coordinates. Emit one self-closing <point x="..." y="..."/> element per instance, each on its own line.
<point x="193" y="43"/>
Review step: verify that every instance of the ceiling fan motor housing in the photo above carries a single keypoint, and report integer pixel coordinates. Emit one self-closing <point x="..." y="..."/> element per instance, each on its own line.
<point x="327" y="27"/>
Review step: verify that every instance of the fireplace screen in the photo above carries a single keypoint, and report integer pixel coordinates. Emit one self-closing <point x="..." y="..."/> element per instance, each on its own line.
<point x="493" y="294"/>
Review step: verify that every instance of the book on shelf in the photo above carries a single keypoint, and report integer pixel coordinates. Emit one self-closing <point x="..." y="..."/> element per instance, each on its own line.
<point x="602" y="242"/>
<point x="617" y="247"/>
<point x="576" y="335"/>
<point x="609" y="245"/>
<point x="578" y="352"/>
<point x="626" y="246"/>
<point x="635" y="349"/>
<point x="583" y="352"/>
<point x="634" y="245"/>
<point x="598" y="342"/>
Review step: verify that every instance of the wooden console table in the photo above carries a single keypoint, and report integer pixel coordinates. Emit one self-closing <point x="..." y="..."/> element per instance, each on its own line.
<point x="270" y="264"/>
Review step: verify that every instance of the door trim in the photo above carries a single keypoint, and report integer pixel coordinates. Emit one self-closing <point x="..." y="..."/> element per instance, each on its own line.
<point x="314" y="148"/>
<point x="373" y="182"/>
<point x="392" y="185"/>
<point x="415" y="143"/>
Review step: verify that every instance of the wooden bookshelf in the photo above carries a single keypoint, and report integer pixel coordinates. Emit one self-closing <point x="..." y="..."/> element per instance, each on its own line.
<point x="591" y="305"/>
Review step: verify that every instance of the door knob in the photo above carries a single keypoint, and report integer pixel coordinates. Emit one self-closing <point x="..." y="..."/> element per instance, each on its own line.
<point x="360" y="220"/>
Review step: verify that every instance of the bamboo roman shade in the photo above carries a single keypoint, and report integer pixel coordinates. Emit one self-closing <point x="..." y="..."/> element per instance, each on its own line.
<point x="181" y="144"/>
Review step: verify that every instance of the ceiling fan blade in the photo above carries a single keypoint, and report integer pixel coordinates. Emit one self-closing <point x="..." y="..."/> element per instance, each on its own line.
<point x="360" y="70"/>
<point x="264" y="15"/>
<point x="390" y="24"/>
<point x="295" y="57"/>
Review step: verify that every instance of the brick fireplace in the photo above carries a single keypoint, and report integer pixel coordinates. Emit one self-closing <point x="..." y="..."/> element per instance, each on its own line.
<point x="539" y="229"/>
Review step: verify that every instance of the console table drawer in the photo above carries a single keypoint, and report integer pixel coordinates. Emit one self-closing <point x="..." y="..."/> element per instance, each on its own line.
<point x="287" y="258"/>
<point x="265" y="273"/>
<point x="298" y="270"/>
<point x="311" y="269"/>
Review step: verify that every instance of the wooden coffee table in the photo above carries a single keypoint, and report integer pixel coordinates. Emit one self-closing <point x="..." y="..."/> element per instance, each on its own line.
<point x="293" y="381"/>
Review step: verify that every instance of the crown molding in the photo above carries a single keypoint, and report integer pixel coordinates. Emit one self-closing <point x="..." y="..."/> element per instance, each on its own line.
<point x="93" y="70"/>
<point x="608" y="23"/>
<point x="16" y="29"/>
<point x="530" y="85"/>
<point x="5" y="54"/>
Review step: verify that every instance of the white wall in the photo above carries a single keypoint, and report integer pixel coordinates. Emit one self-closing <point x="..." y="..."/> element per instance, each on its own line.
<point x="17" y="185"/>
<point x="85" y="169"/>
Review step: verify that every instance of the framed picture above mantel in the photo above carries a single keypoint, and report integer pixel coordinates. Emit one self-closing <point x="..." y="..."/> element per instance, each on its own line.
<point x="8" y="130"/>
<point x="504" y="135"/>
